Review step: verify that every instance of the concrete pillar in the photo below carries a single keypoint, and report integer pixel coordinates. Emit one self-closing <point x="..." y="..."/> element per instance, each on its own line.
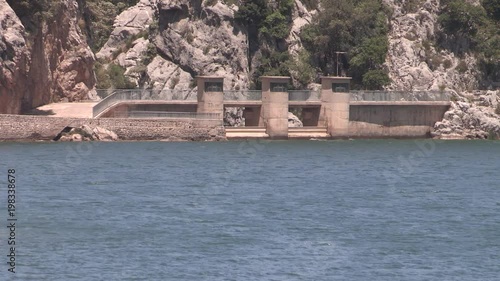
<point x="210" y="94"/>
<point x="335" y="101"/>
<point x="275" y="106"/>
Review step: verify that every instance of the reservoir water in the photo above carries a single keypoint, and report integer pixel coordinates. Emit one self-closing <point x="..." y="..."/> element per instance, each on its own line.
<point x="292" y="210"/>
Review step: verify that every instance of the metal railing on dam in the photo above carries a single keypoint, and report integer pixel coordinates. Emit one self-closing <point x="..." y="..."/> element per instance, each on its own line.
<point x="304" y="95"/>
<point x="174" y="115"/>
<point x="116" y="96"/>
<point x="243" y="95"/>
<point x="399" y="96"/>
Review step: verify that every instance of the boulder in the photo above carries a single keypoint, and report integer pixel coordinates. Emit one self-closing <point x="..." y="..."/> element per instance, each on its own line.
<point x="76" y="137"/>
<point x="294" y="121"/>
<point x="233" y="116"/>
<point x="102" y="134"/>
<point x="87" y="133"/>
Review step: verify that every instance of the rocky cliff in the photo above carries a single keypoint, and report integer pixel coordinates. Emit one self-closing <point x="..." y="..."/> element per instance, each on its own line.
<point x="188" y="38"/>
<point x="164" y="44"/>
<point x="14" y="58"/>
<point x="413" y="61"/>
<point x="50" y="63"/>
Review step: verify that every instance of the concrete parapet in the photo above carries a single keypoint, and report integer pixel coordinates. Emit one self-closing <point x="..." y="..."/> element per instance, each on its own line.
<point x="210" y="94"/>
<point x="275" y="106"/>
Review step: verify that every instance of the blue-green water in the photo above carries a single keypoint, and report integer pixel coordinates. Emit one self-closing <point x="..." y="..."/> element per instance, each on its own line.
<point x="335" y="210"/>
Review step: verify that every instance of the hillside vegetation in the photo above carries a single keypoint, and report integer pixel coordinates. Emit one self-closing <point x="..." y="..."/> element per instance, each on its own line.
<point x="356" y="28"/>
<point x="476" y="29"/>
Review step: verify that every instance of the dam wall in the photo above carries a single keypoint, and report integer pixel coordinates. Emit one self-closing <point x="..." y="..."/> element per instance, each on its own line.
<point x="28" y="128"/>
<point x="394" y="119"/>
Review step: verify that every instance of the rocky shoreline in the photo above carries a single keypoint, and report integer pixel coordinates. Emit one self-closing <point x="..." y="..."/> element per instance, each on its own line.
<point x="474" y="115"/>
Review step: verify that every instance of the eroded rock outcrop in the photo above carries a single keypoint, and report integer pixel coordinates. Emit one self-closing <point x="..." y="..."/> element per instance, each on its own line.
<point x="190" y="38"/>
<point x="472" y="117"/>
<point x="413" y="62"/>
<point x="203" y="40"/>
<point x="62" y="62"/>
<point x="53" y="63"/>
<point x="14" y="58"/>
<point x="87" y="133"/>
<point x="129" y="23"/>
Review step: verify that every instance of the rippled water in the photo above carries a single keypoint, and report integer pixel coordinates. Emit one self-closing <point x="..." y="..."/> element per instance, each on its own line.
<point x="333" y="210"/>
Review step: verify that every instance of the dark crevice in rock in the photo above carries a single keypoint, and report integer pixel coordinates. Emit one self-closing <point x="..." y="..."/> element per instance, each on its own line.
<point x="172" y="15"/>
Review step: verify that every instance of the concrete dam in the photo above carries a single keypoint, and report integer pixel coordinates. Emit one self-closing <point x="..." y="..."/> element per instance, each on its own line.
<point x="333" y="112"/>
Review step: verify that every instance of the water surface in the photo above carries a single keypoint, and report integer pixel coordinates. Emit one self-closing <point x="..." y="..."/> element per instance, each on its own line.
<point x="332" y="210"/>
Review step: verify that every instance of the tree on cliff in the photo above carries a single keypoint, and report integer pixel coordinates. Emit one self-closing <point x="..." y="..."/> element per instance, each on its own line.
<point x="356" y="27"/>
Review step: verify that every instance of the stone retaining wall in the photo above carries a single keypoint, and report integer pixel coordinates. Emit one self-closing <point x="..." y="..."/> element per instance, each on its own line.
<point x="24" y="127"/>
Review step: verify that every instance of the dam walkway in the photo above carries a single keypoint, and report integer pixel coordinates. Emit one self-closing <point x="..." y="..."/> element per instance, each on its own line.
<point x="333" y="111"/>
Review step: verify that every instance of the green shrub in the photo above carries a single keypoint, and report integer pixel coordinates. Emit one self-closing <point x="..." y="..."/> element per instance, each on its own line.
<point x="492" y="135"/>
<point x="434" y="61"/>
<point x="112" y="76"/>
<point x="447" y="63"/>
<point x="231" y="2"/>
<point x="357" y="27"/>
<point x="462" y="67"/>
<point x="375" y="79"/>
<point x="188" y="35"/>
<point x="369" y="57"/>
<point x="174" y="81"/>
<point x="427" y="44"/>
<point x="492" y="7"/>
<point x="118" y="78"/>
<point x="276" y="25"/>
<point x="151" y="53"/>
<point x="459" y="15"/>
<point x="252" y="13"/>
<point x="497" y="110"/>
<point x="193" y="84"/>
<point x="210" y="2"/>
<point x="102" y="77"/>
<point x="412" y="6"/>
<point x="301" y="69"/>
<point x="442" y="87"/>
<point x="206" y="49"/>
<point x="311" y="4"/>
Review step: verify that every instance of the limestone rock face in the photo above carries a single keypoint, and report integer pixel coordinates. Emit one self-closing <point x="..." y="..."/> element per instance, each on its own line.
<point x="14" y="58"/>
<point x="62" y="62"/>
<point x="472" y="117"/>
<point x="164" y="75"/>
<point x="203" y="40"/>
<point x="129" y="23"/>
<point x="413" y="63"/>
<point x="190" y="38"/>
<point x="301" y="18"/>
<point x="56" y="64"/>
